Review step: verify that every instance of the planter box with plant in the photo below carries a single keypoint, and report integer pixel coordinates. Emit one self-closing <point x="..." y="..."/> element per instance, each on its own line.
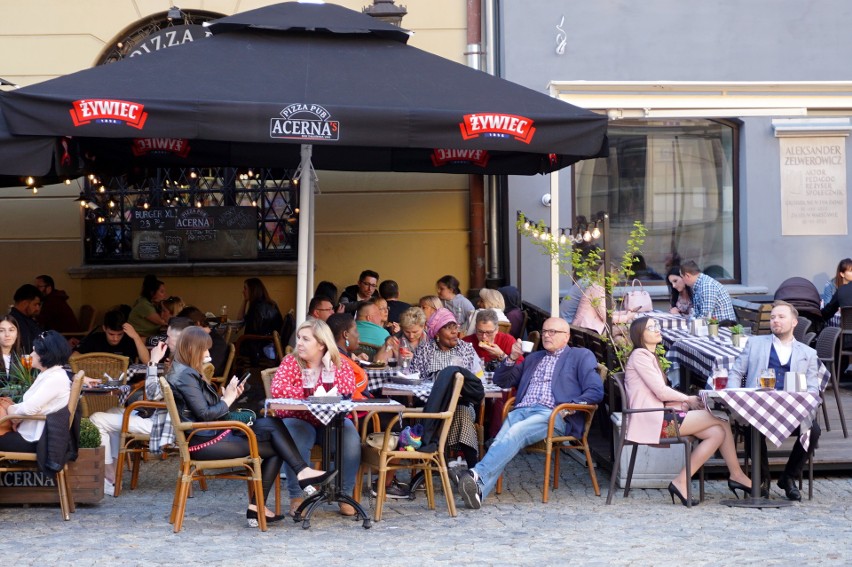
<point x="86" y="476"/>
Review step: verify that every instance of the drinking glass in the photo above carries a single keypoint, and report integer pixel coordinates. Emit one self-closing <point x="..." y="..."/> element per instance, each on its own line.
<point x="328" y="378"/>
<point x="309" y="381"/>
<point x="720" y="379"/>
<point x="767" y="379"/>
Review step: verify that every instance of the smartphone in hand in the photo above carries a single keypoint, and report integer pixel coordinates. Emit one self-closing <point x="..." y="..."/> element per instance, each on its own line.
<point x="245" y="378"/>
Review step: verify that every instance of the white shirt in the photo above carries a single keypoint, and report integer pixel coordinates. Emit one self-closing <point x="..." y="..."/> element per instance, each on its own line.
<point x="784" y="351"/>
<point x="7" y="361"/>
<point x="49" y="393"/>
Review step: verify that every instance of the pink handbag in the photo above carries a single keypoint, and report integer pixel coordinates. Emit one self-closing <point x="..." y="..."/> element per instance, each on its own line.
<point x="637" y="301"/>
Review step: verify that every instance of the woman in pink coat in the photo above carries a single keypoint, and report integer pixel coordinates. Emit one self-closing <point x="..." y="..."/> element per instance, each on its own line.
<point x="647" y="387"/>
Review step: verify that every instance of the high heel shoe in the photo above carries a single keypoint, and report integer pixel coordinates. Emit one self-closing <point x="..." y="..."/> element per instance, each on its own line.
<point x="251" y="518"/>
<point x="673" y="491"/>
<point x="320" y="480"/>
<point x="733" y="486"/>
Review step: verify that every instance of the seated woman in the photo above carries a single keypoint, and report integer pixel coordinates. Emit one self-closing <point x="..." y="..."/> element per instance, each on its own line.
<point x="647" y="387"/>
<point x="316" y="351"/>
<point x="680" y="293"/>
<point x="197" y="401"/>
<point x="172" y="306"/>
<point x="261" y="316"/>
<point x="49" y="393"/>
<point x="488" y="299"/>
<point x="413" y="324"/>
<point x="147" y="315"/>
<point x="10" y="344"/>
<point x="514" y="310"/>
<point x="429" y="304"/>
<point x="446" y="349"/>
<point x="449" y="292"/>
<point x="842" y="276"/>
<point x="591" y="311"/>
<point x="345" y="333"/>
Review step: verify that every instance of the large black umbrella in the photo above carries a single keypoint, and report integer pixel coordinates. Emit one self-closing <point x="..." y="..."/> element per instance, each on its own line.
<point x="293" y="84"/>
<point x="288" y="74"/>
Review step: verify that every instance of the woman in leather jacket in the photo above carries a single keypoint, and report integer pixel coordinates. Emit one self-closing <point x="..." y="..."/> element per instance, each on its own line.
<point x="197" y="400"/>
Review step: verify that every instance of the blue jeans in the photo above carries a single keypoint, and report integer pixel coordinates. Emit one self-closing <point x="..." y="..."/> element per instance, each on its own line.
<point x="306" y="435"/>
<point x="523" y="426"/>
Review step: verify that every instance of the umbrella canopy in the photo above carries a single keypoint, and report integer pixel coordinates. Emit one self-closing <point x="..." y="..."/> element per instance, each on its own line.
<point x="289" y="74"/>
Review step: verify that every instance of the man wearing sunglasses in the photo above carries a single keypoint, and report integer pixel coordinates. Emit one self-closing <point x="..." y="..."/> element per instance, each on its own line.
<point x="559" y="374"/>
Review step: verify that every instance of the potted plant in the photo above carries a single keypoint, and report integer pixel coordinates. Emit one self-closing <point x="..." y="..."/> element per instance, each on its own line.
<point x="87" y="472"/>
<point x="737" y="332"/>
<point x="18" y="379"/>
<point x="712" y="326"/>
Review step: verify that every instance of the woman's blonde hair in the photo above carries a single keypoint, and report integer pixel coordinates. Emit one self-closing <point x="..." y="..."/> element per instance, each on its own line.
<point x="191" y="345"/>
<point x="413" y="316"/>
<point x="324" y="336"/>
<point x="492" y="299"/>
<point x="173" y="305"/>
<point x="432" y="300"/>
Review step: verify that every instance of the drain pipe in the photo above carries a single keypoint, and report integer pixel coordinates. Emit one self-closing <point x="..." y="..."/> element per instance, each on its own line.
<point x="476" y="185"/>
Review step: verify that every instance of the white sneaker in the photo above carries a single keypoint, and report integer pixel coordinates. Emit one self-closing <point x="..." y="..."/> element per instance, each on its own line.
<point x="470" y="491"/>
<point x="109" y="488"/>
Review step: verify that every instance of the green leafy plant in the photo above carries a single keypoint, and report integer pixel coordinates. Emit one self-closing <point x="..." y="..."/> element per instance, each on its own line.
<point x="737" y="329"/>
<point x="17" y="380"/>
<point x="90" y="437"/>
<point x="712" y="321"/>
<point x="584" y="265"/>
<point x="665" y="363"/>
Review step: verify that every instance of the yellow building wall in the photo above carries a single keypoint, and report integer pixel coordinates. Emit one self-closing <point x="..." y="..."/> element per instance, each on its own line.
<point x="409" y="227"/>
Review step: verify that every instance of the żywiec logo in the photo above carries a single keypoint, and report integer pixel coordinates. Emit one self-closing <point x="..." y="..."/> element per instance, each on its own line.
<point x="145" y="146"/>
<point x="106" y="111"/>
<point x="304" y="122"/>
<point x="495" y="125"/>
<point x="443" y="156"/>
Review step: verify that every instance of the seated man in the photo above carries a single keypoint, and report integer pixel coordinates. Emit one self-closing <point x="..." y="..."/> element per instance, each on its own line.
<point x="55" y="312"/>
<point x="364" y="290"/>
<point x="490" y="344"/>
<point x="781" y="352"/>
<point x="389" y="291"/>
<point x="118" y="337"/>
<point x="26" y="307"/>
<point x="559" y="374"/>
<point x="320" y="307"/>
<point x="109" y="422"/>
<point x="369" y="323"/>
<point x="709" y="297"/>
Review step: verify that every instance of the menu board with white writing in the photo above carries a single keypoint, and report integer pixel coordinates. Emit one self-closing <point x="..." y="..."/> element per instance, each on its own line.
<point x="195" y="233"/>
<point x="813" y="186"/>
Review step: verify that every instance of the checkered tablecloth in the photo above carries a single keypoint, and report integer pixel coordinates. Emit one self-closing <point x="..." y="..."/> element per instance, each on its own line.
<point x="834" y="321"/>
<point x="422" y="391"/>
<point x="774" y="413"/>
<point x="668" y="320"/>
<point x="326" y="412"/>
<point x="702" y="355"/>
<point x="381" y="378"/>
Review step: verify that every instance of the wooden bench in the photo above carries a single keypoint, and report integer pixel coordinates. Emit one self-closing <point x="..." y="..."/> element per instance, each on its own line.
<point x="754" y="315"/>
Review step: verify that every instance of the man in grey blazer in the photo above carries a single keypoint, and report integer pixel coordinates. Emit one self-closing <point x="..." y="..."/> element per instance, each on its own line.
<point x="783" y="353"/>
<point x="559" y="374"/>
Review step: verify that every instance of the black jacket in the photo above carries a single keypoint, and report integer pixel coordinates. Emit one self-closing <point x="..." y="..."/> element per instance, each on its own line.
<point x="196" y="400"/>
<point x="842" y="298"/>
<point x="472" y="393"/>
<point x="58" y="443"/>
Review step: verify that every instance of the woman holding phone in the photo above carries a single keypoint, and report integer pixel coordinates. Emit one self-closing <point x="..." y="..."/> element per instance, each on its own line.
<point x="197" y="401"/>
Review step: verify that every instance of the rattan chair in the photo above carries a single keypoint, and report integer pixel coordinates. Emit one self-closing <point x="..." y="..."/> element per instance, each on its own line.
<point x="132" y="446"/>
<point x="95" y="365"/>
<point x="685" y="440"/>
<point x="221" y="381"/>
<point x="552" y="445"/>
<point x="245" y="468"/>
<point x="13" y="462"/>
<point x="389" y="459"/>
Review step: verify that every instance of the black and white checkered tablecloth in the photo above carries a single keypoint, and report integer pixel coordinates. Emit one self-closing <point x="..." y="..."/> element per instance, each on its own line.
<point x="323" y="412"/>
<point x="668" y="320"/>
<point x="774" y="413"/>
<point x="702" y="355"/>
<point x="422" y="391"/>
<point x="381" y="378"/>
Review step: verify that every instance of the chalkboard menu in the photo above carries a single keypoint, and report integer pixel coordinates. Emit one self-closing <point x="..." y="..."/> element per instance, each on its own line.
<point x="188" y="234"/>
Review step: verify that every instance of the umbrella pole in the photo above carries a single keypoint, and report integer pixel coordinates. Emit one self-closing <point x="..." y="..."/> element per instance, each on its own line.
<point x="305" y="230"/>
<point x="554" y="234"/>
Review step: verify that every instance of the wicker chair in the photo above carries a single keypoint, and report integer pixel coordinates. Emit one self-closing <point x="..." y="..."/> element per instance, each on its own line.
<point x="245" y="468"/>
<point x="552" y="445"/>
<point x="132" y="446"/>
<point x="389" y="459"/>
<point x="95" y="365"/>
<point x="18" y="462"/>
<point x="220" y="381"/>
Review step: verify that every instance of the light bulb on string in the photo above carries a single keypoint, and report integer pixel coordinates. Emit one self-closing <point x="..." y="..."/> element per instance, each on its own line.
<point x="35" y="190"/>
<point x="562" y="238"/>
<point x="596" y="232"/>
<point x="587" y="235"/>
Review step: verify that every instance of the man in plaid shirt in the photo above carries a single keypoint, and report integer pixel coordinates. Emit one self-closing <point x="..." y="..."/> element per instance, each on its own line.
<point x="709" y="298"/>
<point x="559" y="374"/>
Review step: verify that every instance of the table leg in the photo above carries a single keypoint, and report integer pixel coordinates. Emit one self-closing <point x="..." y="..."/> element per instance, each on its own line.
<point x="756" y="500"/>
<point x="331" y="493"/>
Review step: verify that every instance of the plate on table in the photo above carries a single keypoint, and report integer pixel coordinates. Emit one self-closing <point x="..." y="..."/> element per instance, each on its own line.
<point x="373" y="365"/>
<point x="324" y="399"/>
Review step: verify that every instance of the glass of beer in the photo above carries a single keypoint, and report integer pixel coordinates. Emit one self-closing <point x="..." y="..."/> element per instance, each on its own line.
<point x="767" y="379"/>
<point x="27" y="361"/>
<point x="310" y="377"/>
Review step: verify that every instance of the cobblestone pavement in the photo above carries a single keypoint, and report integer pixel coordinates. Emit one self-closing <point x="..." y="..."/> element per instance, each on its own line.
<point x="514" y="528"/>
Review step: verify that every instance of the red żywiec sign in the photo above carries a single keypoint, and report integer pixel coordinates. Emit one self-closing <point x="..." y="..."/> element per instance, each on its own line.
<point x="145" y="146"/>
<point x="443" y="156"/>
<point x="108" y="111"/>
<point x="497" y="125"/>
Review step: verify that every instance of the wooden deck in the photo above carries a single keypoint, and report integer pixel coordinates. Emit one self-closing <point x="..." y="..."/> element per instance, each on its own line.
<point x="833" y="454"/>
